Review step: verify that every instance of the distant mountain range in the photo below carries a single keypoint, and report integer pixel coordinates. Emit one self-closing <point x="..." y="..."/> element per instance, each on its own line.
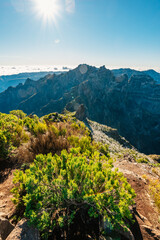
<point x="129" y="103"/>
<point x="155" y="75"/>
<point x="13" y="80"/>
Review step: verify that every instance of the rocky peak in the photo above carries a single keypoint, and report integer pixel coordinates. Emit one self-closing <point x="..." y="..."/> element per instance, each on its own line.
<point x="28" y="81"/>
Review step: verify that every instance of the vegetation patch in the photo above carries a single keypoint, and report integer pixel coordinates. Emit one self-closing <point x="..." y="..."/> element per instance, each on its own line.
<point x="55" y="188"/>
<point x="12" y="133"/>
<point x="67" y="185"/>
<point x="154" y="188"/>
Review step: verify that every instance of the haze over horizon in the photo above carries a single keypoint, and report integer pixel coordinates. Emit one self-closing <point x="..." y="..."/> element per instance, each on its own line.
<point x="12" y="70"/>
<point x="70" y="32"/>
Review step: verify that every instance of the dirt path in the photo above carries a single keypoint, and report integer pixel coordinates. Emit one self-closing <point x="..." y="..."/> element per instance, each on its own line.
<point x="6" y="205"/>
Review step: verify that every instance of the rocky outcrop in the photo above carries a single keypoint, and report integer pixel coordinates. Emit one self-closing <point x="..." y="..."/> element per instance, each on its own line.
<point x="5" y="226"/>
<point x="81" y="113"/>
<point x="23" y="231"/>
<point x="131" y="105"/>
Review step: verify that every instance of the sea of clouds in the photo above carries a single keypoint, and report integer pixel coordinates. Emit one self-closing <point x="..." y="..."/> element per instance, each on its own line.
<point x="10" y="70"/>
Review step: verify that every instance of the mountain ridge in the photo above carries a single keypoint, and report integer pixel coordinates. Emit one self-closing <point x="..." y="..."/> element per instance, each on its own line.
<point x="15" y="79"/>
<point x="152" y="73"/>
<point x="131" y="105"/>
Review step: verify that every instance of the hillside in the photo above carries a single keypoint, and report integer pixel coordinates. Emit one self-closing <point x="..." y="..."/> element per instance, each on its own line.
<point x="30" y="136"/>
<point x="131" y="105"/>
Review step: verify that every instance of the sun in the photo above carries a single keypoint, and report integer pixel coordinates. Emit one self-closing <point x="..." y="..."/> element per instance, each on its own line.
<point x="47" y="10"/>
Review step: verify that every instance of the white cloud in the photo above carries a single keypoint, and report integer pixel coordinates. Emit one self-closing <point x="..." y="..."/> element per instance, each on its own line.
<point x="10" y="70"/>
<point x="56" y="41"/>
<point x="70" y="6"/>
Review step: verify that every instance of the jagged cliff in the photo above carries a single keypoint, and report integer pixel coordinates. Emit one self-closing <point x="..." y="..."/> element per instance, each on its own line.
<point x="132" y="105"/>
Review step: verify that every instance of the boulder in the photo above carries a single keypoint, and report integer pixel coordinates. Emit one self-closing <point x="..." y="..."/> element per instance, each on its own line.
<point x="5" y="227"/>
<point x="81" y="113"/>
<point x="23" y="231"/>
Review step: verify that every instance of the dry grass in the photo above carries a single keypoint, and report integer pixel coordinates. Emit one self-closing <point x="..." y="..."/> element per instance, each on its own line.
<point x="54" y="141"/>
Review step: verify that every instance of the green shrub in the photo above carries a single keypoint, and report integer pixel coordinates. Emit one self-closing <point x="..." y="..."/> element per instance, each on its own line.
<point x="12" y="133"/>
<point x="35" y="126"/>
<point x="55" y="188"/>
<point x="3" y="144"/>
<point x="19" y="113"/>
<point x="39" y="128"/>
<point x="142" y="160"/>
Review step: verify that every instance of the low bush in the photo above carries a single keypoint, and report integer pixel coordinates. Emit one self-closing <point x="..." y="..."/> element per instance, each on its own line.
<point x="154" y="186"/>
<point x="142" y="160"/>
<point x="58" y="136"/>
<point x="154" y="189"/>
<point x="55" y="190"/>
<point x="19" y="113"/>
<point x="12" y="134"/>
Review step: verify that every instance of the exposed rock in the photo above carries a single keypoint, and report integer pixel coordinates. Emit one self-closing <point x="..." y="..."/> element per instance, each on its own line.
<point x="3" y="215"/>
<point x="5" y="227"/>
<point x="152" y="232"/>
<point x="23" y="231"/>
<point x="81" y="113"/>
<point x="145" y="213"/>
<point x="127" y="234"/>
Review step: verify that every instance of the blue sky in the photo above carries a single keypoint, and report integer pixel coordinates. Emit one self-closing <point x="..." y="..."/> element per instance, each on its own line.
<point x="115" y="33"/>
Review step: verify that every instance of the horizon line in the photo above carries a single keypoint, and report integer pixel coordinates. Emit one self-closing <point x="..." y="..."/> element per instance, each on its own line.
<point x="17" y="69"/>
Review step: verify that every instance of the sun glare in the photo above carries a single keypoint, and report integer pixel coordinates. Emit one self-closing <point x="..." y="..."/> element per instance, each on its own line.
<point x="47" y="10"/>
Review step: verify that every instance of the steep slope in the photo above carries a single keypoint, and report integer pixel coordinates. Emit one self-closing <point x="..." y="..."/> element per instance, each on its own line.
<point x="130" y="105"/>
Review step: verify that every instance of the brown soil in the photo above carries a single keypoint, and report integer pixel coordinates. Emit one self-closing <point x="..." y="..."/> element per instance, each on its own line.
<point x="146" y="212"/>
<point x="6" y="205"/>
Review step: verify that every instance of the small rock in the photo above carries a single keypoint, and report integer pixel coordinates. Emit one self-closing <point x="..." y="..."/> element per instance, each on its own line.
<point x="3" y="215"/>
<point x="5" y="227"/>
<point x="153" y="232"/>
<point x="127" y="234"/>
<point x="24" y="232"/>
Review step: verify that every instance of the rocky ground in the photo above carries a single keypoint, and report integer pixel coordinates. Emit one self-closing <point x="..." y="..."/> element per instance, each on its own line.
<point x="146" y="213"/>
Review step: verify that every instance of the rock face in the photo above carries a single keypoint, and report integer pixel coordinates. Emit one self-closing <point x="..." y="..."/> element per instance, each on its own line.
<point x="81" y="113"/>
<point x="131" y="105"/>
<point x="24" y="232"/>
<point x="5" y="227"/>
